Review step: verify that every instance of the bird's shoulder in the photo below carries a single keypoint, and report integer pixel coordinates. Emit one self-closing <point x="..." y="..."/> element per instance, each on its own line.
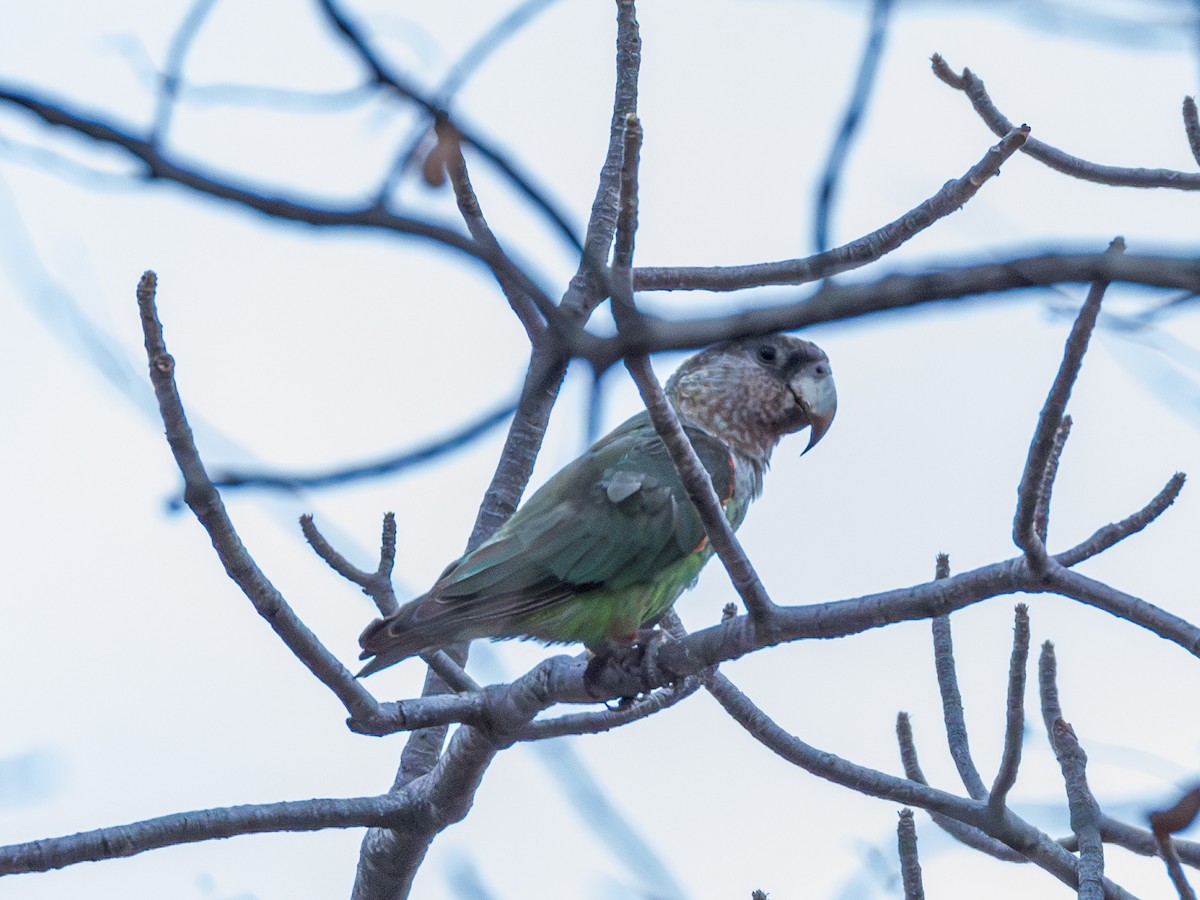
<point x="617" y="513"/>
<point x="633" y="460"/>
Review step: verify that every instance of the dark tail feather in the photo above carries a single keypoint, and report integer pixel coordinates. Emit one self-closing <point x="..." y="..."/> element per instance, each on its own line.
<point x="392" y="639"/>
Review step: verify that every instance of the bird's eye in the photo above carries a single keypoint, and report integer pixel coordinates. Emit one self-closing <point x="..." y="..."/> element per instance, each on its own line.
<point x="767" y="353"/>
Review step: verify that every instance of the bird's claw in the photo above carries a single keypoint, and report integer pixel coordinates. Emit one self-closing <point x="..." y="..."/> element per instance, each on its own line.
<point x="636" y="660"/>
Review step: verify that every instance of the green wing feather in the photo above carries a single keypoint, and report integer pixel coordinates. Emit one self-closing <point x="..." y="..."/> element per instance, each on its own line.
<point x="614" y="517"/>
<point x="610" y="523"/>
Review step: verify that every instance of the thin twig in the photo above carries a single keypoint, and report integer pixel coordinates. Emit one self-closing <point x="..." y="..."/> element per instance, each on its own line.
<point x="205" y="502"/>
<point x="627" y="208"/>
<point x="1116" y="176"/>
<point x="169" y="81"/>
<point x="406" y="459"/>
<point x="1115" y="532"/>
<point x="1048" y="687"/>
<point x="1045" y="436"/>
<point x="868" y="248"/>
<point x="383" y="74"/>
<point x="589" y="285"/>
<point x="468" y="205"/>
<point x="159" y="166"/>
<point x="1041" y="514"/>
<point x="860" y="96"/>
<point x="952" y="704"/>
<point x="1014" y="728"/>
<point x="456" y="76"/>
<point x="378" y="584"/>
<point x="1169" y="626"/>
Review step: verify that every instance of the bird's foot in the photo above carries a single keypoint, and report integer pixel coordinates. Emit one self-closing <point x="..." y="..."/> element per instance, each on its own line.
<point x="634" y="660"/>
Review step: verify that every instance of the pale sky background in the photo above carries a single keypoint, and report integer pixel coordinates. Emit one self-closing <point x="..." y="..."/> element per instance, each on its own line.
<point x="137" y="681"/>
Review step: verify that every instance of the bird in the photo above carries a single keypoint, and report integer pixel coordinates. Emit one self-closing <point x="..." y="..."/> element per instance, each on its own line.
<point x="605" y="547"/>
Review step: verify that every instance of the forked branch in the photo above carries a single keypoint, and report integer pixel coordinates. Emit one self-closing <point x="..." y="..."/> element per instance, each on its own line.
<point x="1117" y="176"/>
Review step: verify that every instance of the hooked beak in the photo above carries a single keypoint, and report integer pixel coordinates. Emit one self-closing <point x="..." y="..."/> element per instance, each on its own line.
<point x="818" y="397"/>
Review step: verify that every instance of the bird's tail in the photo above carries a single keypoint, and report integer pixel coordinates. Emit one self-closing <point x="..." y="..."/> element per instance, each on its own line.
<point x="393" y="638"/>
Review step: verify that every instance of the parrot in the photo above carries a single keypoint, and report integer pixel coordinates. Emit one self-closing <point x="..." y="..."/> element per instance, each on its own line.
<point x="605" y="547"/>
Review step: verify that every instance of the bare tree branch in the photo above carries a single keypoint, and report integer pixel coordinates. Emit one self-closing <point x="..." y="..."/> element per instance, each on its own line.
<point x="458" y="74"/>
<point x="844" y="302"/>
<point x="1085" y="812"/>
<point x="910" y="863"/>
<point x="599" y="721"/>
<point x="1041" y="513"/>
<point x="1115" y="176"/>
<point x="1034" y="479"/>
<point x="435" y="786"/>
<point x="169" y="81"/>
<point x="1114" y="532"/>
<point x="163" y="168"/>
<point x="384" y="75"/>
<point x="1014" y="729"/>
<point x="443" y="790"/>
<point x="851" y="119"/>
<point x="378" y="584"/>
<point x="1086" y="590"/>
<point x="1011" y="830"/>
<point x="205" y="502"/>
<point x="859" y="252"/>
<point x="468" y="205"/>
<point x="967" y="835"/>
<point x="696" y="480"/>
<point x="548" y="364"/>
<point x="589" y="286"/>
<point x="952" y="704"/>
<point x="736" y="637"/>
<point x="389" y="859"/>
<point x="406" y="459"/>
<point x="200" y="825"/>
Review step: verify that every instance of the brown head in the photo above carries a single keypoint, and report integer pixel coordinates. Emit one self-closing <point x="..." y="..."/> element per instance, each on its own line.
<point x="751" y="392"/>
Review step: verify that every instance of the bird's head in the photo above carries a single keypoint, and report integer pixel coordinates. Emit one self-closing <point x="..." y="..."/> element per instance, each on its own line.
<point x="750" y="392"/>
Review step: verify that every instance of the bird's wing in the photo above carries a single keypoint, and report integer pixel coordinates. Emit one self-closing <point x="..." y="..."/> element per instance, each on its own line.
<point x="615" y="517"/>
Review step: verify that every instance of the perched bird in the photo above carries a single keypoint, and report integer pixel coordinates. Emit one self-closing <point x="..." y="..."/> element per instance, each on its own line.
<point x="606" y="546"/>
